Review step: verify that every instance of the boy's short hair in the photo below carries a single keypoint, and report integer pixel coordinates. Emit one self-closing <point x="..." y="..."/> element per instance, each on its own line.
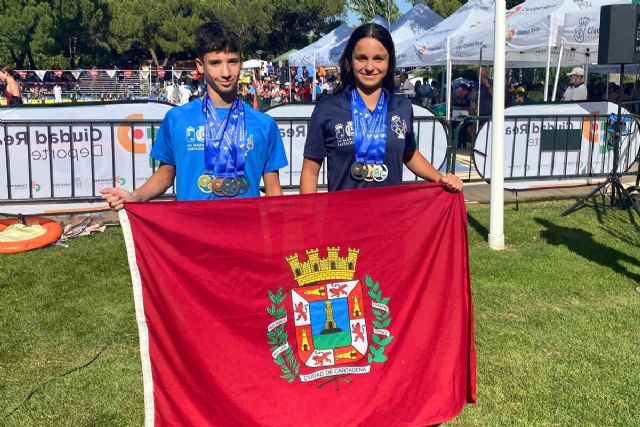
<point x="214" y="36"/>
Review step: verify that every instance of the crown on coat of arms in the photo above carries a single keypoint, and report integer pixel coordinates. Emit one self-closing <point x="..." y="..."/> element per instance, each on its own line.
<point x="316" y="269"/>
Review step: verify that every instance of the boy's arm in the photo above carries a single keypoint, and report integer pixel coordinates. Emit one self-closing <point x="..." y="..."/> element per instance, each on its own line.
<point x="156" y="185"/>
<point x="272" y="184"/>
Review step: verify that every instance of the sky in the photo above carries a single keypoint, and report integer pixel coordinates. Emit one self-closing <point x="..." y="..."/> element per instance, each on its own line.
<point x="403" y="5"/>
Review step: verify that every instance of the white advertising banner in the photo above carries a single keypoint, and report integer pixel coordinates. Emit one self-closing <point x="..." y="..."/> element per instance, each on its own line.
<point x="65" y="151"/>
<point x="544" y="140"/>
<point x="292" y="119"/>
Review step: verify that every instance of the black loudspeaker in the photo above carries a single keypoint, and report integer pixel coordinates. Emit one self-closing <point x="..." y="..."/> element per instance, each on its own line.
<point x="619" y="41"/>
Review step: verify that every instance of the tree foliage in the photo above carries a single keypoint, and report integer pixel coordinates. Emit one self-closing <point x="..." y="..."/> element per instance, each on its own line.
<point x="446" y="7"/>
<point x="83" y="33"/>
<point x="367" y="9"/>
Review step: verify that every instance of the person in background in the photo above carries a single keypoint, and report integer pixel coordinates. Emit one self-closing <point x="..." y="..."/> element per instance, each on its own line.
<point x="12" y="91"/>
<point x="57" y="94"/>
<point x="434" y="93"/>
<point x="509" y="94"/>
<point x="577" y="91"/>
<point x="485" y="105"/>
<point x="520" y="96"/>
<point x="405" y="87"/>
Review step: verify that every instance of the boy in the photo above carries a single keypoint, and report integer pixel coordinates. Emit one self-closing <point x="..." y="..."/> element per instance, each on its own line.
<point x="216" y="147"/>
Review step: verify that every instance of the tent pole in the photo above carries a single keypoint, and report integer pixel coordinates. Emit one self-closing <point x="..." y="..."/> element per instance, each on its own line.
<point x="290" y="84"/>
<point x="546" y="76"/>
<point x="479" y="85"/>
<point x="586" y="67"/>
<point x="313" y="79"/>
<point x="448" y="87"/>
<point x="555" y="83"/>
<point x="606" y="92"/>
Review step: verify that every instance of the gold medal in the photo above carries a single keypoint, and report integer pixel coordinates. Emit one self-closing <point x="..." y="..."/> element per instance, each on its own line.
<point x="369" y="177"/>
<point x="204" y="183"/>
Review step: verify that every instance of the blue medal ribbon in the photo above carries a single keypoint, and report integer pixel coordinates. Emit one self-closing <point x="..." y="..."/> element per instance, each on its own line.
<point x="369" y="129"/>
<point x="225" y="142"/>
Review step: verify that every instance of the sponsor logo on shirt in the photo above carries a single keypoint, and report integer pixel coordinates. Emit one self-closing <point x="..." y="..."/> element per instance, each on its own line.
<point x="344" y="133"/>
<point x="398" y="126"/>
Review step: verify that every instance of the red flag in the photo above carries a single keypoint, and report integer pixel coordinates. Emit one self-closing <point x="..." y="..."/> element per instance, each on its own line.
<point x="346" y="308"/>
<point x="94" y="73"/>
<point x="196" y="75"/>
<point x="23" y="74"/>
<point x="128" y="73"/>
<point x="161" y="73"/>
<point x="58" y="73"/>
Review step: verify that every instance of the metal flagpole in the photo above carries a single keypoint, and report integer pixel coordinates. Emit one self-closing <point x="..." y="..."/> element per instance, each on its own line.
<point x="496" y="209"/>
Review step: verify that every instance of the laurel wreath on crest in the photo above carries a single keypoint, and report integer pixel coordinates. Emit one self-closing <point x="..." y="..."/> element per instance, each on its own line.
<point x="376" y="354"/>
<point x="279" y="337"/>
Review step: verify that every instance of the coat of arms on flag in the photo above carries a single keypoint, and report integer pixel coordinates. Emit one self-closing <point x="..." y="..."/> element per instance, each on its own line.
<point x="328" y="308"/>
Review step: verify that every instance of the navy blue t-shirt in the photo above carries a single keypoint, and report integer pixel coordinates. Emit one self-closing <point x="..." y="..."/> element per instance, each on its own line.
<point x="330" y="135"/>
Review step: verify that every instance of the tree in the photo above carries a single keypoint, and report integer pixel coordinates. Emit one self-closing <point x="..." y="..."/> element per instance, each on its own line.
<point x="250" y="19"/>
<point x="367" y="9"/>
<point x="79" y="30"/>
<point x="446" y="7"/>
<point x="161" y="28"/>
<point x="23" y="25"/>
<point x="294" y="21"/>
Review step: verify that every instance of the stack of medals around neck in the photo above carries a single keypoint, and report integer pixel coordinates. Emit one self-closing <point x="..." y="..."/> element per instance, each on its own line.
<point x="370" y="138"/>
<point x="224" y="151"/>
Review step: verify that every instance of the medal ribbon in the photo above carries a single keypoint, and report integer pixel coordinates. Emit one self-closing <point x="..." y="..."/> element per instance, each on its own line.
<point x="369" y="129"/>
<point x="224" y="148"/>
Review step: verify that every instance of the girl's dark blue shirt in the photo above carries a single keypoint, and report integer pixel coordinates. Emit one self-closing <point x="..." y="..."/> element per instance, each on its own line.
<point x="330" y="135"/>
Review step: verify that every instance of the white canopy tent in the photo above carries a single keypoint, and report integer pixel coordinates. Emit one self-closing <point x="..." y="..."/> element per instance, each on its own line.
<point x="533" y="30"/>
<point x="579" y="37"/>
<point x="432" y="48"/>
<point x="309" y="54"/>
<point x="330" y="54"/>
<point x="532" y="39"/>
<point x="408" y="28"/>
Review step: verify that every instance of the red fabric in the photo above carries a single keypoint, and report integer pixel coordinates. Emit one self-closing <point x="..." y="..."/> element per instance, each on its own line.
<point x="206" y="268"/>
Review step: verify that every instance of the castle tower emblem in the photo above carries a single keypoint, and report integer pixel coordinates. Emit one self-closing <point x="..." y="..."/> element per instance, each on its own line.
<point x="333" y="332"/>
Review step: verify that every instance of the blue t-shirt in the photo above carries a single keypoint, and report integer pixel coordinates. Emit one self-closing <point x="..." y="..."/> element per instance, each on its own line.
<point x="180" y="142"/>
<point x="330" y="135"/>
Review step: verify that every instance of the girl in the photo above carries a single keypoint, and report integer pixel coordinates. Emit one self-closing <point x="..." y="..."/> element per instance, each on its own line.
<point x="364" y="130"/>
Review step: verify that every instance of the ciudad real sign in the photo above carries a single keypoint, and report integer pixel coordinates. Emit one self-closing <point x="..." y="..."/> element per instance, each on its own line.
<point x="557" y="142"/>
<point x="47" y="149"/>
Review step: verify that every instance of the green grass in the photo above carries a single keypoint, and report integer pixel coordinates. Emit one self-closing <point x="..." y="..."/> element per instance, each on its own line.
<point x="556" y="314"/>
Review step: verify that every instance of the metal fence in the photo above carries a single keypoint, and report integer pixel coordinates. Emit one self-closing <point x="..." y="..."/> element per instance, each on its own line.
<point x="71" y="161"/>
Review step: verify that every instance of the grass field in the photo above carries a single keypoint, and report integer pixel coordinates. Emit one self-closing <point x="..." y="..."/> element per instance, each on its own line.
<point x="557" y="326"/>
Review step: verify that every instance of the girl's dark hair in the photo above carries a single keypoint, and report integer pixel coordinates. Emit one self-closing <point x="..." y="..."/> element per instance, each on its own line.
<point x="377" y="32"/>
<point x="214" y="36"/>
